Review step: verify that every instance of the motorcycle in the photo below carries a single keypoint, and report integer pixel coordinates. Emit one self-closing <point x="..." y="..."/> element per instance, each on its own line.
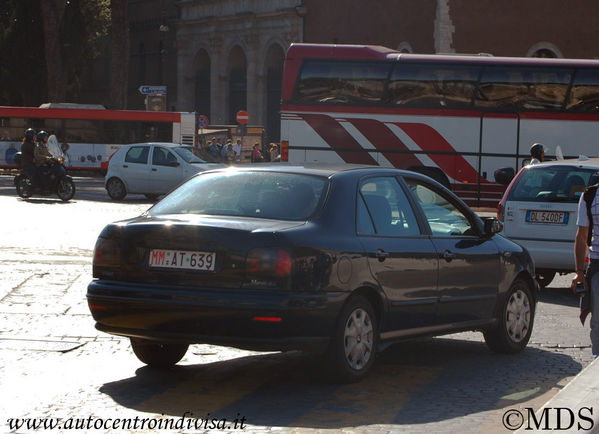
<point x="52" y="179"/>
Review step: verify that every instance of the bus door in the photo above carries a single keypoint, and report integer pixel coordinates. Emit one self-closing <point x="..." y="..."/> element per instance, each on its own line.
<point x="499" y="147"/>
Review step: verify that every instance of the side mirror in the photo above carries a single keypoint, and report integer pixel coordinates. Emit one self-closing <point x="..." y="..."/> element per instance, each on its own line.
<point x="505" y="175"/>
<point x="173" y="164"/>
<point x="492" y="226"/>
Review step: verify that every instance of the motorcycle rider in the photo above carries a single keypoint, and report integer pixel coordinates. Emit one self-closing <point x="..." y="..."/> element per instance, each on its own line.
<point x="28" y="155"/>
<point x="42" y="155"/>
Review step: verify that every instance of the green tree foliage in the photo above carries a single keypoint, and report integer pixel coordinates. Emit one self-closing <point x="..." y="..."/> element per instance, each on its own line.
<point x="22" y="64"/>
<point x="79" y="32"/>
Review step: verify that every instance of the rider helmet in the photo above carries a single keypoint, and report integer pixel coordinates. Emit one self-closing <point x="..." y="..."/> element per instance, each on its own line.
<point x="536" y="151"/>
<point x="29" y="133"/>
<point x="41" y="136"/>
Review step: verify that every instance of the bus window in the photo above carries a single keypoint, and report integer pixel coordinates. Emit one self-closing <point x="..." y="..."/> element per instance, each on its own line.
<point x="432" y="86"/>
<point x="523" y="89"/>
<point x="584" y="96"/>
<point x="341" y="82"/>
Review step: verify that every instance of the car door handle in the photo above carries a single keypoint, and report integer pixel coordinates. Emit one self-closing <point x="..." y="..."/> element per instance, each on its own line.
<point x="448" y="255"/>
<point x="154" y="169"/>
<point x="124" y="165"/>
<point x="382" y="255"/>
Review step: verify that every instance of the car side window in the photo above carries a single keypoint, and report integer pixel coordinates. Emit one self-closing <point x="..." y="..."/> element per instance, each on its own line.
<point x="162" y="157"/>
<point x="384" y="210"/>
<point x="443" y="216"/>
<point x="137" y="155"/>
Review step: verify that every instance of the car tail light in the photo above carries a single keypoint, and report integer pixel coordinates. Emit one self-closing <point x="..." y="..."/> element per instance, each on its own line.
<point x="284" y="150"/>
<point x="268" y="262"/>
<point x="500" y="211"/>
<point x="107" y="252"/>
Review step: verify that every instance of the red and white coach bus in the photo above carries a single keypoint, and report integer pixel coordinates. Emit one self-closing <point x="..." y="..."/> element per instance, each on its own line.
<point x="90" y="134"/>
<point x="457" y="118"/>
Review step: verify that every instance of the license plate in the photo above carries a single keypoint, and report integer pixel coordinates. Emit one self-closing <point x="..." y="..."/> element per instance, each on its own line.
<point x="182" y="259"/>
<point x="547" y="217"/>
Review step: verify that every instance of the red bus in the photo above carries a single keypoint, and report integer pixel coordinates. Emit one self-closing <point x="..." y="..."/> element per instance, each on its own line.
<point x="456" y="118"/>
<point x="88" y="134"/>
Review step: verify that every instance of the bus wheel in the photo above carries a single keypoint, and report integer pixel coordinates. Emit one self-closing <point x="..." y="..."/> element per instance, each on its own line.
<point x="116" y="189"/>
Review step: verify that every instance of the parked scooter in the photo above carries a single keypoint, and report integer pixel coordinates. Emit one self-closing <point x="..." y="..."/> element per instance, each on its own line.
<point x="52" y="179"/>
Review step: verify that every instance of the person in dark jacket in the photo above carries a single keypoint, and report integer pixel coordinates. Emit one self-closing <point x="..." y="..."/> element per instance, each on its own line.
<point x="27" y="155"/>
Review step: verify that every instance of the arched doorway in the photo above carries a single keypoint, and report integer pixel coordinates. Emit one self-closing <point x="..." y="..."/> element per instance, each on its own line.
<point x="275" y="57"/>
<point x="237" y="82"/>
<point x="202" y="83"/>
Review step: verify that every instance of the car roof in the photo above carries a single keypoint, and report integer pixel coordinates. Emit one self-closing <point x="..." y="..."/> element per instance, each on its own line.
<point x="165" y="144"/>
<point x="582" y="161"/>
<point x="319" y="169"/>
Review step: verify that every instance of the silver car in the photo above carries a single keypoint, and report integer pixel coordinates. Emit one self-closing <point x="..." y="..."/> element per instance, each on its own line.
<point x="539" y="212"/>
<point x="154" y="169"/>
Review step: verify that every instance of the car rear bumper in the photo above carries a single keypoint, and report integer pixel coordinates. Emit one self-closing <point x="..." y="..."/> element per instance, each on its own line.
<point x="550" y="254"/>
<point x="250" y="319"/>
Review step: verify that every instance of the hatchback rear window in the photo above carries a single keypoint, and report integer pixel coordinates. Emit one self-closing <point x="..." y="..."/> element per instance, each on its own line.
<point x="271" y="195"/>
<point x="552" y="184"/>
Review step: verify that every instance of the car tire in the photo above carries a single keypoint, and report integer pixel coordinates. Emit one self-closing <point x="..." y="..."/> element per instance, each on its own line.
<point x="116" y="189"/>
<point x="352" y="349"/>
<point x="158" y="354"/>
<point x="514" y="320"/>
<point x="544" y="278"/>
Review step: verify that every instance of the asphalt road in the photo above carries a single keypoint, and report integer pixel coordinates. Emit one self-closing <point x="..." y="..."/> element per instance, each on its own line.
<point x="54" y="364"/>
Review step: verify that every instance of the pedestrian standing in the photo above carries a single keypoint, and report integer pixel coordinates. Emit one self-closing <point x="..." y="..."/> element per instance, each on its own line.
<point x="274" y="152"/>
<point x="537" y="154"/>
<point x="237" y="150"/>
<point x="588" y="218"/>
<point x="256" y="154"/>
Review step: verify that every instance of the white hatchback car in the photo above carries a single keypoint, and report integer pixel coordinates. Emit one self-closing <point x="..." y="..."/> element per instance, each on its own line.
<point x="539" y="211"/>
<point x="153" y="169"/>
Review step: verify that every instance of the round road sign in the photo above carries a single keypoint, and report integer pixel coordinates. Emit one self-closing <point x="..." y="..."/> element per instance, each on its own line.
<point x="202" y="121"/>
<point x="242" y="117"/>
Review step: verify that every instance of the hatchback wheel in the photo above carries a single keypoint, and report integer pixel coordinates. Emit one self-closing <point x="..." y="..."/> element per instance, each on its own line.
<point x="515" y="321"/>
<point x="157" y="354"/>
<point x="545" y="277"/>
<point x="116" y="189"/>
<point x="352" y="350"/>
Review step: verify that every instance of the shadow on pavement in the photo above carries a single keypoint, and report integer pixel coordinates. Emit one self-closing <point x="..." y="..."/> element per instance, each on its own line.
<point x="561" y="296"/>
<point x="411" y="383"/>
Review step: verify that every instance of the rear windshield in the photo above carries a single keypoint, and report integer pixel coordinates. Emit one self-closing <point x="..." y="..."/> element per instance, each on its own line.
<point x="194" y="155"/>
<point x="552" y="184"/>
<point x="271" y="195"/>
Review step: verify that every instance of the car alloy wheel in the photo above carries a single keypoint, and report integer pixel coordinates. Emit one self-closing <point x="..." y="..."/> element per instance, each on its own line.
<point x="116" y="189"/>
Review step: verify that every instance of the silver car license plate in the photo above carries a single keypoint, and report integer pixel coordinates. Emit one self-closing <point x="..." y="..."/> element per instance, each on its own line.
<point x="547" y="217"/>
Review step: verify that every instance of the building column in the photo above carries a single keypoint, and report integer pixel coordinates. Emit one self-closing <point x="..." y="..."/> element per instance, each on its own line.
<point x="444" y="28"/>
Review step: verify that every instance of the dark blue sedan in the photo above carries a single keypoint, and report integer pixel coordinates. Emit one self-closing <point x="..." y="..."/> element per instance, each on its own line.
<point x="336" y="260"/>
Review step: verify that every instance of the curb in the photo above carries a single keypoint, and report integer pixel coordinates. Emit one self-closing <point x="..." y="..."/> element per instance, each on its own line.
<point x="581" y="397"/>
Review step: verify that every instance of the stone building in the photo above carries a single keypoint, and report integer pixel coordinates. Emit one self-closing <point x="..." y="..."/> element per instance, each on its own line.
<point x="220" y="56"/>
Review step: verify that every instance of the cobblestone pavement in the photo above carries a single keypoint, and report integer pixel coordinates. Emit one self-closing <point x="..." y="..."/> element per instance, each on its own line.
<point x="54" y="364"/>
